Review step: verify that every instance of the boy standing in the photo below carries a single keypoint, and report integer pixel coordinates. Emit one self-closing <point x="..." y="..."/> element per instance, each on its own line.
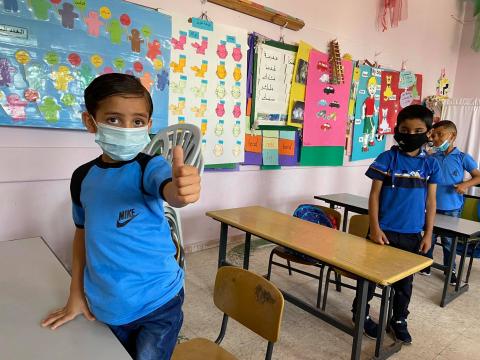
<point x="124" y="271"/>
<point x="453" y="164"/>
<point x="402" y="205"/>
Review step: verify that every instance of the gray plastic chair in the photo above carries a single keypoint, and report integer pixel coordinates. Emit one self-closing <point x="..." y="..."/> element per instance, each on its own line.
<point x="188" y="136"/>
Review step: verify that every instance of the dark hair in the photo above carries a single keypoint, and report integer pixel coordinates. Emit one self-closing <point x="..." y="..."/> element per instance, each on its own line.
<point x="447" y="124"/>
<point x="416" y="112"/>
<point x="112" y="84"/>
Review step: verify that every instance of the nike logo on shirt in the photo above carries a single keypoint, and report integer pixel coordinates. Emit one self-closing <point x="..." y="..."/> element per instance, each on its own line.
<point x="125" y="216"/>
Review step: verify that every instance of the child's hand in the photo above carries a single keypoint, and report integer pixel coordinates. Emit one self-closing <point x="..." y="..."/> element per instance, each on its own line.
<point x="426" y="243"/>
<point x="76" y="305"/>
<point x="185" y="179"/>
<point x="461" y="188"/>
<point x="378" y="236"/>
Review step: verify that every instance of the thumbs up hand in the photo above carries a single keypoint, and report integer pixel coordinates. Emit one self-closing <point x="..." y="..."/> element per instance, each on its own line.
<point x="185" y="187"/>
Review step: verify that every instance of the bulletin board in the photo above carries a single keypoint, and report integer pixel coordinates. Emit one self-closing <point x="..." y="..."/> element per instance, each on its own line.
<point x="208" y="73"/>
<point x="50" y="50"/>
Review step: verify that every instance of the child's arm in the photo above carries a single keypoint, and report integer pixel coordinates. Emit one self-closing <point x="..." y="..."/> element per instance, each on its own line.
<point x="475" y="180"/>
<point x="376" y="234"/>
<point x="429" y="218"/>
<point x="77" y="303"/>
<point x="184" y="188"/>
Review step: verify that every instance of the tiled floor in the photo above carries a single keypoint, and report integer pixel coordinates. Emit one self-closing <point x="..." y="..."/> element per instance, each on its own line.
<point x="438" y="333"/>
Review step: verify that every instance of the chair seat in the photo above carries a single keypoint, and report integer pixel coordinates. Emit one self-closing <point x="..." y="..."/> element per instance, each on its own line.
<point x="345" y="273"/>
<point x="287" y="255"/>
<point x="200" y="349"/>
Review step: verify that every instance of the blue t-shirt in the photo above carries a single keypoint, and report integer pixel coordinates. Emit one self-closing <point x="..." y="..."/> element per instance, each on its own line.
<point x="404" y="189"/>
<point x="130" y="266"/>
<point x="453" y="167"/>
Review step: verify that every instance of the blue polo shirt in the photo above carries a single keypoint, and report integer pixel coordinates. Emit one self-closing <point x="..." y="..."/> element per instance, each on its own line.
<point x="130" y="266"/>
<point x="453" y="167"/>
<point x="403" y="196"/>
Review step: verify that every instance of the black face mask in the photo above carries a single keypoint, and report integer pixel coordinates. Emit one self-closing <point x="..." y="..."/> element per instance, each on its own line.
<point x="410" y="142"/>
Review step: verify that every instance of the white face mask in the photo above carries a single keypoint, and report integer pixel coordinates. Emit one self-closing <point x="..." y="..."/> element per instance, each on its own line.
<point x="121" y="144"/>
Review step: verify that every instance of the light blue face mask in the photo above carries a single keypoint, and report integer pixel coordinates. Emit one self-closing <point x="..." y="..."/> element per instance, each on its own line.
<point x="445" y="145"/>
<point x="121" y="144"/>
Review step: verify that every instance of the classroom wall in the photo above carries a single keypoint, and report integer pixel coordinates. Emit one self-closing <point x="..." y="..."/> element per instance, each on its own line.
<point x="467" y="78"/>
<point x="36" y="164"/>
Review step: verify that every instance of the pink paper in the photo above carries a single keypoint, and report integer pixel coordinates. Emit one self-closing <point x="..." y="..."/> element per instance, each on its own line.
<point x="326" y="105"/>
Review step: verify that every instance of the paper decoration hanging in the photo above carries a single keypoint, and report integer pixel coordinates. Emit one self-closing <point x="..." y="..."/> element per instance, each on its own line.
<point x="274" y="68"/>
<point x="208" y="84"/>
<point x="366" y="142"/>
<point x="391" y="12"/>
<point x="296" y="105"/>
<point x="410" y="89"/>
<point x="326" y="104"/>
<point x="50" y="52"/>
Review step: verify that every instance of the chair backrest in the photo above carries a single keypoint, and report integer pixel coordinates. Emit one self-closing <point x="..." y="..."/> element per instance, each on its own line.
<point x="359" y="225"/>
<point x="250" y="299"/>
<point x="319" y="215"/>
<point x="471" y="209"/>
<point x="173" y="217"/>
<point x="188" y="136"/>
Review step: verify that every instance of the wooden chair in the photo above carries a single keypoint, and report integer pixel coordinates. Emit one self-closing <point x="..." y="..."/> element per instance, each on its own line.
<point x="290" y="257"/>
<point x="246" y="297"/>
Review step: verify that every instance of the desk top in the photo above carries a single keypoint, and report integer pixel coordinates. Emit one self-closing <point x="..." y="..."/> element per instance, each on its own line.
<point x="473" y="192"/>
<point x="353" y="201"/>
<point x="457" y="226"/>
<point x="383" y="265"/>
<point x="32" y="283"/>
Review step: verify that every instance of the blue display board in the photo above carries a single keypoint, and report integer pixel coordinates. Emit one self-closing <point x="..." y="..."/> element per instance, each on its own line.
<point x="50" y="50"/>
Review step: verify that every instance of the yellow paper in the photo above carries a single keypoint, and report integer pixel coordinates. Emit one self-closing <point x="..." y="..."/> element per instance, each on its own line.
<point x="270" y="143"/>
<point x="297" y="91"/>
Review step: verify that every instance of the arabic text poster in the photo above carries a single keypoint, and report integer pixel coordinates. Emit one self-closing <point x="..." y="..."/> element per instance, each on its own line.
<point x="208" y="74"/>
<point x="51" y="50"/>
<point x="366" y="142"/>
<point x="273" y="81"/>
<point x="326" y="105"/>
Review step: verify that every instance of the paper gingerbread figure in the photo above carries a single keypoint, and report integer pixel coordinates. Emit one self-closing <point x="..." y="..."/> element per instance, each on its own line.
<point x="68" y="15"/>
<point x="10" y="5"/>
<point x="115" y="31"/>
<point x="6" y="72"/>
<point x="50" y="109"/>
<point x="369" y="111"/>
<point x="40" y="8"/>
<point x="147" y="81"/>
<point x="135" y="40"/>
<point x="154" y="49"/>
<point x="62" y="78"/>
<point x="162" y="80"/>
<point x="93" y="24"/>
<point x="16" y="107"/>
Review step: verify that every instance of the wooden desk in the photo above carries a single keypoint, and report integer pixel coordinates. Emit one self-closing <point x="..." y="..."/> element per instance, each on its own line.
<point x="379" y="264"/>
<point x="32" y="283"/>
<point x="461" y="230"/>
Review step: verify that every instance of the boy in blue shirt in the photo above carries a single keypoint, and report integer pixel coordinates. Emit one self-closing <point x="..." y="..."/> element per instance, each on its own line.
<point x="124" y="271"/>
<point x="453" y="164"/>
<point x="402" y="205"/>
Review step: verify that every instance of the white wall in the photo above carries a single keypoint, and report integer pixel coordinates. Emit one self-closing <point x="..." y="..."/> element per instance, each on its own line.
<point x="467" y="78"/>
<point x="35" y="165"/>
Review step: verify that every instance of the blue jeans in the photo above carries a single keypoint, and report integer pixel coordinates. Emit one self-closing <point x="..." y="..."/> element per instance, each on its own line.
<point x="154" y="336"/>
<point x="446" y="241"/>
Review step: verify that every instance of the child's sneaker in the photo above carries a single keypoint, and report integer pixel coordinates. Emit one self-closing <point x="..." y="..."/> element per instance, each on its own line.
<point x="370" y="328"/>
<point x="400" y="331"/>
<point x="453" y="279"/>
<point x="426" y="272"/>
